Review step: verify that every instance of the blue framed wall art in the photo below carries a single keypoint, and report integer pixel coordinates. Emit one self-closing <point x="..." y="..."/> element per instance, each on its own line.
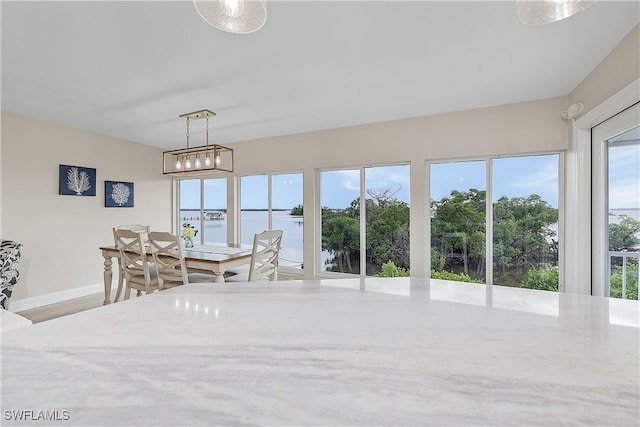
<point x="76" y="181"/>
<point x="118" y="194"/>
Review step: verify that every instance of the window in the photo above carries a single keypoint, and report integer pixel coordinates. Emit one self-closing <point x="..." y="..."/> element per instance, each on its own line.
<point x="215" y="210"/>
<point x="523" y="246"/>
<point x="203" y="204"/>
<point x="458" y="221"/>
<point x="616" y="205"/>
<point x="525" y="222"/>
<point x="190" y="205"/>
<point x="274" y="202"/>
<point x="254" y="206"/>
<point x="374" y="234"/>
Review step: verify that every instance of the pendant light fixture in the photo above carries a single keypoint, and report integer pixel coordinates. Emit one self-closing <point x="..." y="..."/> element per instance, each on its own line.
<point x="203" y="160"/>
<point x="541" y="12"/>
<point x="233" y="16"/>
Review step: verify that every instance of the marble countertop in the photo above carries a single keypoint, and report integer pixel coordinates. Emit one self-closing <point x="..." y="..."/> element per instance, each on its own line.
<point x="332" y="352"/>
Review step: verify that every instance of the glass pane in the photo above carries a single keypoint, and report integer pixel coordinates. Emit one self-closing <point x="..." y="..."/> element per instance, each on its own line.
<point x="340" y="201"/>
<point x="387" y="213"/>
<point x="525" y="222"/>
<point x="458" y="218"/>
<point x="215" y="210"/>
<point x="624" y="214"/>
<point x="190" y="205"/>
<point x="286" y="215"/>
<point x="254" y="206"/>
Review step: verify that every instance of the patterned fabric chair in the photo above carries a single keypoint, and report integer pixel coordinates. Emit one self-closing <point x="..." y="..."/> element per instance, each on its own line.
<point x="9" y="275"/>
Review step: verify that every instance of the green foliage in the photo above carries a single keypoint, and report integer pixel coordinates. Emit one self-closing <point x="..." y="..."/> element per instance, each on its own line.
<point x="297" y="211"/>
<point x="624" y="236"/>
<point x="543" y="278"/>
<point x="387" y="228"/>
<point x="437" y="260"/>
<point x="389" y="269"/>
<point x="632" y="281"/>
<point x="457" y="277"/>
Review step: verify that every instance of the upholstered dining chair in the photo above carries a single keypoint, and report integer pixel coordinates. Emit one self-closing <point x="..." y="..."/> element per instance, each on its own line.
<point x="166" y="249"/>
<point x="264" y="258"/>
<point x="138" y="228"/>
<point x="137" y="270"/>
<point x="10" y="252"/>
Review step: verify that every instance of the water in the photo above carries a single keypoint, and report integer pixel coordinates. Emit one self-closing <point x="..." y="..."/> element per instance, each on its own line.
<point x="255" y="222"/>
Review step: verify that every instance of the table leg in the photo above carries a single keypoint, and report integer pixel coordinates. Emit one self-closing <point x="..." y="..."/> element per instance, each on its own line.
<point x="108" y="275"/>
<point x="219" y="277"/>
<point x="120" y="281"/>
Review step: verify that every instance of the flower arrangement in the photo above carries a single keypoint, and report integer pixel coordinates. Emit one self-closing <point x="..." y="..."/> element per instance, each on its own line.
<point x="188" y="233"/>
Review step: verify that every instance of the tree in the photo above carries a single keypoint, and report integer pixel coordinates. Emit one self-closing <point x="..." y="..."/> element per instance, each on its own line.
<point x="524" y="235"/>
<point x="524" y="232"/>
<point x="624" y="235"/>
<point x="457" y="231"/>
<point x="387" y="231"/>
<point x="297" y="211"/>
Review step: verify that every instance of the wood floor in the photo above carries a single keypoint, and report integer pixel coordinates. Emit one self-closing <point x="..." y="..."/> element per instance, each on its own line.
<point x="64" y="308"/>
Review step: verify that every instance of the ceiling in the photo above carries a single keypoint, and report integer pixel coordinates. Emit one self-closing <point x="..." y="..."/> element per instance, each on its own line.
<point x="129" y="69"/>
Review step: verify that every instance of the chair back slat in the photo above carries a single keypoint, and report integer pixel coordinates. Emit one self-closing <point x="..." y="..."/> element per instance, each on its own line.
<point x="134" y="260"/>
<point x="166" y="250"/>
<point x="264" y="257"/>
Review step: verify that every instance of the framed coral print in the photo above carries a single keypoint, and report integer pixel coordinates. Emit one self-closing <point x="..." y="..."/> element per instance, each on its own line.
<point x="77" y="181"/>
<point x="118" y="194"/>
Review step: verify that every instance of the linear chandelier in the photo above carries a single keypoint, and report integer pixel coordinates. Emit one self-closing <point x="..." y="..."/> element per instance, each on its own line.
<point x="233" y="16"/>
<point x="542" y="12"/>
<point x="203" y="160"/>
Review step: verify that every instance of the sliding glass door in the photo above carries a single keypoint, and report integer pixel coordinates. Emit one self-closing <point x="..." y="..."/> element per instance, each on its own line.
<point x="616" y="205"/>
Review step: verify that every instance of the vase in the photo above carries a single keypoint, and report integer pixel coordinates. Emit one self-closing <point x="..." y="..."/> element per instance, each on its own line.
<point x="188" y="243"/>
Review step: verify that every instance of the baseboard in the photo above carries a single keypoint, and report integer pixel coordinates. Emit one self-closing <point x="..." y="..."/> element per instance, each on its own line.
<point x="54" y="297"/>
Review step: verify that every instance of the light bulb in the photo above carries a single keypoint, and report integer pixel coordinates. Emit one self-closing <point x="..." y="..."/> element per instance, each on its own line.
<point x="207" y="160"/>
<point x="187" y="163"/>
<point x="216" y="157"/>
<point x="233" y="8"/>
<point x="178" y="163"/>
<point x="198" y="165"/>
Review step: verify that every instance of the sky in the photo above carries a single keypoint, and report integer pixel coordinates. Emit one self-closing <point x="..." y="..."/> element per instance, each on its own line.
<point x="512" y="177"/>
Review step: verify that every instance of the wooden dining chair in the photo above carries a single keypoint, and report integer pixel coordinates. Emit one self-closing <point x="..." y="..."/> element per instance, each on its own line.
<point x="167" y="252"/>
<point x="137" y="270"/>
<point x="264" y="258"/>
<point x="139" y="228"/>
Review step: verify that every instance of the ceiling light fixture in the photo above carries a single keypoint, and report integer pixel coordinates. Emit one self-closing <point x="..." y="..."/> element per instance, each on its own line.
<point x="233" y="16"/>
<point x="179" y="162"/>
<point x="541" y="12"/>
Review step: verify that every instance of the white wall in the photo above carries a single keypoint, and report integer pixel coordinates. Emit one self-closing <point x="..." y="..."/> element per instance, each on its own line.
<point x="61" y="234"/>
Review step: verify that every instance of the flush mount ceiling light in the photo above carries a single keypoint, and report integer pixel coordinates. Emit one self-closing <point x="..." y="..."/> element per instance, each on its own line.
<point x="541" y="12"/>
<point x="204" y="160"/>
<point x="233" y="16"/>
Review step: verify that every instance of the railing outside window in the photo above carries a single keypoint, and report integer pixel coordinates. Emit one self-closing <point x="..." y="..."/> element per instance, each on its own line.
<point x="629" y="288"/>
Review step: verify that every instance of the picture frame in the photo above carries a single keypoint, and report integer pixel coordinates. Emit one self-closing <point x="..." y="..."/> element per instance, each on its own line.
<point x="76" y="181"/>
<point x="118" y="194"/>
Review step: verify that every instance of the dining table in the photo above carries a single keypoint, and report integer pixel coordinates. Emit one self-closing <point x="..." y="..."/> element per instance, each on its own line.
<point x="216" y="258"/>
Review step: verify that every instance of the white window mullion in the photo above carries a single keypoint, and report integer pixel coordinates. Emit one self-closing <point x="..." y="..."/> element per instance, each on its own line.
<point x="363" y="225"/>
<point x="269" y="190"/>
<point x="489" y="222"/>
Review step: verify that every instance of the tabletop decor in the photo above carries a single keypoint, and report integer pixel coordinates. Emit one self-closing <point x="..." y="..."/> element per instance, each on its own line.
<point x="188" y="233"/>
